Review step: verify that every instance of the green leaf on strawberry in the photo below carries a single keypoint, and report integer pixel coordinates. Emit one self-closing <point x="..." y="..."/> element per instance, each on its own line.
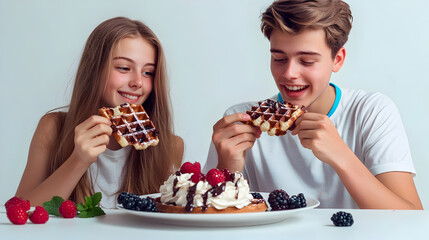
<point x="53" y="205"/>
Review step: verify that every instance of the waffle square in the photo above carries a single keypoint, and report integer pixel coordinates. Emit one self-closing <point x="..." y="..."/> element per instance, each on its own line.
<point x="274" y="117"/>
<point x="131" y="125"/>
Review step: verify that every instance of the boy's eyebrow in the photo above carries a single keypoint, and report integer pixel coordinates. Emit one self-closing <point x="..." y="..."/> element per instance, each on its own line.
<point x="273" y="50"/>
<point x="130" y="60"/>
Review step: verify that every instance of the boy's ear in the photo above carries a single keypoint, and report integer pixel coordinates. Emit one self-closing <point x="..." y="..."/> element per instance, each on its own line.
<point x="339" y="59"/>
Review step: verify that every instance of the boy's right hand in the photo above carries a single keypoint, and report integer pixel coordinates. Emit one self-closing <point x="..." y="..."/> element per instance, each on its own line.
<point x="232" y="139"/>
<point x="91" y="138"/>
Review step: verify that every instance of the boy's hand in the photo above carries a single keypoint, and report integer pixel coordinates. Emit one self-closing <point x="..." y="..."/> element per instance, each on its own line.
<point x="318" y="133"/>
<point x="232" y="139"/>
<point x="91" y="138"/>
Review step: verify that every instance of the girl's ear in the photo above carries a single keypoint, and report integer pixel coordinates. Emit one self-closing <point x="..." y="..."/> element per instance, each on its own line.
<point x="339" y="59"/>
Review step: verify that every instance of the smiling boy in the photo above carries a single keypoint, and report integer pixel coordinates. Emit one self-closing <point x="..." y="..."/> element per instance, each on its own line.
<point x="349" y="150"/>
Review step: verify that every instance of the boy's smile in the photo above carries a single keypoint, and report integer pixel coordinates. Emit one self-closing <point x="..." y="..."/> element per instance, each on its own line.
<point x="301" y="65"/>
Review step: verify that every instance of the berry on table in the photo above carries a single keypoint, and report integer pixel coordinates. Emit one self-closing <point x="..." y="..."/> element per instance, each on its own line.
<point x="18" y="201"/>
<point x="17" y="214"/>
<point x="68" y="209"/>
<point x="215" y="176"/>
<point x="39" y="215"/>
<point x="278" y="200"/>
<point x="342" y="219"/>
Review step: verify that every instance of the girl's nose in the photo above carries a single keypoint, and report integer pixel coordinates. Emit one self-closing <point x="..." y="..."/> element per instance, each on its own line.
<point x="136" y="81"/>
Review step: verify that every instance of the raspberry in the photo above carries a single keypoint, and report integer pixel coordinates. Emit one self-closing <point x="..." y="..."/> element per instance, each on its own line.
<point x="215" y="176"/>
<point x="257" y="195"/>
<point x="68" y="209"/>
<point x="278" y="200"/>
<point x="17" y="214"/>
<point x="342" y="219"/>
<point x="296" y="201"/>
<point x="229" y="176"/>
<point x="188" y="167"/>
<point x="197" y="177"/>
<point x="18" y="201"/>
<point x="39" y="216"/>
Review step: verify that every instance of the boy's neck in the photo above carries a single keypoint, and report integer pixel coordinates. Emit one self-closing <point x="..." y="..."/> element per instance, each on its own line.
<point x="324" y="102"/>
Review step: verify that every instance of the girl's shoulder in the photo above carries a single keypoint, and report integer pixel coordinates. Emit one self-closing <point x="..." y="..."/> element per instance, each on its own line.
<point x="49" y="126"/>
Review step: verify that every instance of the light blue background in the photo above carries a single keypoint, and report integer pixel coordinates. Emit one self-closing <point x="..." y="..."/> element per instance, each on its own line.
<point x="216" y="57"/>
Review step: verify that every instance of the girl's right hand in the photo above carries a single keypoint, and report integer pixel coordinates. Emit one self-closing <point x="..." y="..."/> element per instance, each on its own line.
<point x="232" y="139"/>
<point x="91" y="138"/>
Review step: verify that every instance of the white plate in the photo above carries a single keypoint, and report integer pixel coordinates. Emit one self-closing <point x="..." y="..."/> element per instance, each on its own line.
<point x="221" y="220"/>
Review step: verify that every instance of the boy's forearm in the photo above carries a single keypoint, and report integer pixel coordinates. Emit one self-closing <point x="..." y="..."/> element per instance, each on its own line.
<point x="367" y="191"/>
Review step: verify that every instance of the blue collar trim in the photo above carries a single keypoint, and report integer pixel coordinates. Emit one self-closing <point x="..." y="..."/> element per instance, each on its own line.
<point x="336" y="102"/>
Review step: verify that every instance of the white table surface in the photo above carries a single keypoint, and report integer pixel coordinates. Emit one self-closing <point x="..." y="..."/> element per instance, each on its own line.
<point x="311" y="224"/>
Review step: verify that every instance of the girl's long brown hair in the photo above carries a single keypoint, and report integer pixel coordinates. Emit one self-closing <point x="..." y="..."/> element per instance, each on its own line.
<point x="145" y="170"/>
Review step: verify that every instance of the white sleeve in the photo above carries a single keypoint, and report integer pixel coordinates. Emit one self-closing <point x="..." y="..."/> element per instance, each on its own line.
<point x="385" y="146"/>
<point x="211" y="159"/>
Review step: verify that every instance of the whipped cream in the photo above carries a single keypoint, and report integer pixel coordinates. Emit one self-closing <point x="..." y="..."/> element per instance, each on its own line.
<point x="227" y="194"/>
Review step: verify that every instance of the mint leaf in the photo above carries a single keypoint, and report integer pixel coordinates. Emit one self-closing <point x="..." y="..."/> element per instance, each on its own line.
<point x="53" y="205"/>
<point x="88" y="202"/>
<point x="96" y="198"/>
<point x="81" y="207"/>
<point x="90" y="207"/>
<point x="92" y="212"/>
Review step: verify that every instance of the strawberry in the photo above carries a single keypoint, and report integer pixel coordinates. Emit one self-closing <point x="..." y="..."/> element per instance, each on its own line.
<point x="215" y="176"/>
<point x="18" y="201"/>
<point x="17" y="214"/>
<point x="68" y="209"/>
<point x="39" y="215"/>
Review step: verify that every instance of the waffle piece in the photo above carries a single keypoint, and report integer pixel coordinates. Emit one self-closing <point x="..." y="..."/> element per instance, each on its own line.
<point x="274" y="117"/>
<point x="256" y="205"/>
<point x="131" y="125"/>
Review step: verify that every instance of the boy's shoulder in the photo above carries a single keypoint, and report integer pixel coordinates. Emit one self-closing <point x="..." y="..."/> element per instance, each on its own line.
<point x="358" y="97"/>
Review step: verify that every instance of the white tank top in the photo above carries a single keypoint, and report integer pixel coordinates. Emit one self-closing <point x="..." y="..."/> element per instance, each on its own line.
<point x="106" y="174"/>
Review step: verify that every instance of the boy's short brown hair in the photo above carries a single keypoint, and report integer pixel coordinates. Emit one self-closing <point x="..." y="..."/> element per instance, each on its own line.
<point x="293" y="16"/>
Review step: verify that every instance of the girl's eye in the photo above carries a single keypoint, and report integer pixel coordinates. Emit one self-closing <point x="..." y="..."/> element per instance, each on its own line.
<point x="148" y="74"/>
<point x="123" y="69"/>
<point x="280" y="59"/>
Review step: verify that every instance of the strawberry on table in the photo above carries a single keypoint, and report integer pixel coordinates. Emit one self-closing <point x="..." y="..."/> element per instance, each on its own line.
<point x="68" y="209"/>
<point x="39" y="215"/>
<point x="17" y="214"/>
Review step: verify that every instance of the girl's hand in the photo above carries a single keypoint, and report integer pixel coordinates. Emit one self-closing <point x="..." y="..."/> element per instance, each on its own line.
<point x="91" y="138"/>
<point x="232" y="139"/>
<point x="318" y="133"/>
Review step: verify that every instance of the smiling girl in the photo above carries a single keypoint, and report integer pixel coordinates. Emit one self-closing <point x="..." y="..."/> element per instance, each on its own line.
<point x="74" y="154"/>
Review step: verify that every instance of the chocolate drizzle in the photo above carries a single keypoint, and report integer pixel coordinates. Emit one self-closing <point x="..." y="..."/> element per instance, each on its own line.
<point x="190" y="198"/>
<point x="215" y="191"/>
<point x="176" y="189"/>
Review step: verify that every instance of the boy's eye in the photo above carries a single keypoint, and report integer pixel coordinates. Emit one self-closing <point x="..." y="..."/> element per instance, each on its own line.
<point x="307" y="63"/>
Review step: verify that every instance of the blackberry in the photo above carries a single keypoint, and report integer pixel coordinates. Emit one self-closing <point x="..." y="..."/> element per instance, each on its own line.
<point x="296" y="201"/>
<point x="342" y="219"/>
<point x="121" y="197"/>
<point x="278" y="200"/>
<point x="256" y="195"/>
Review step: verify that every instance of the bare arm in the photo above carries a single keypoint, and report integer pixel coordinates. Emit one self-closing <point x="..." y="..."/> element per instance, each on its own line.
<point x="391" y="190"/>
<point x="36" y="185"/>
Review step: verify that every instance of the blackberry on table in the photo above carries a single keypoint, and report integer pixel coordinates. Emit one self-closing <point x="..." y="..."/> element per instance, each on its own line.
<point x="278" y="200"/>
<point x="296" y="201"/>
<point x="342" y="219"/>
<point x="256" y="195"/>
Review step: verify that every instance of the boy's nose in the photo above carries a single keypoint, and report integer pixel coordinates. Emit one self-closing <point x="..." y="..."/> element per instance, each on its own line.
<point x="291" y="70"/>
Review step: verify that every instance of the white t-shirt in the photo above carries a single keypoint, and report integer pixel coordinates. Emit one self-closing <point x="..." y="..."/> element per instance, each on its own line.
<point x="369" y="123"/>
<point x="106" y="174"/>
